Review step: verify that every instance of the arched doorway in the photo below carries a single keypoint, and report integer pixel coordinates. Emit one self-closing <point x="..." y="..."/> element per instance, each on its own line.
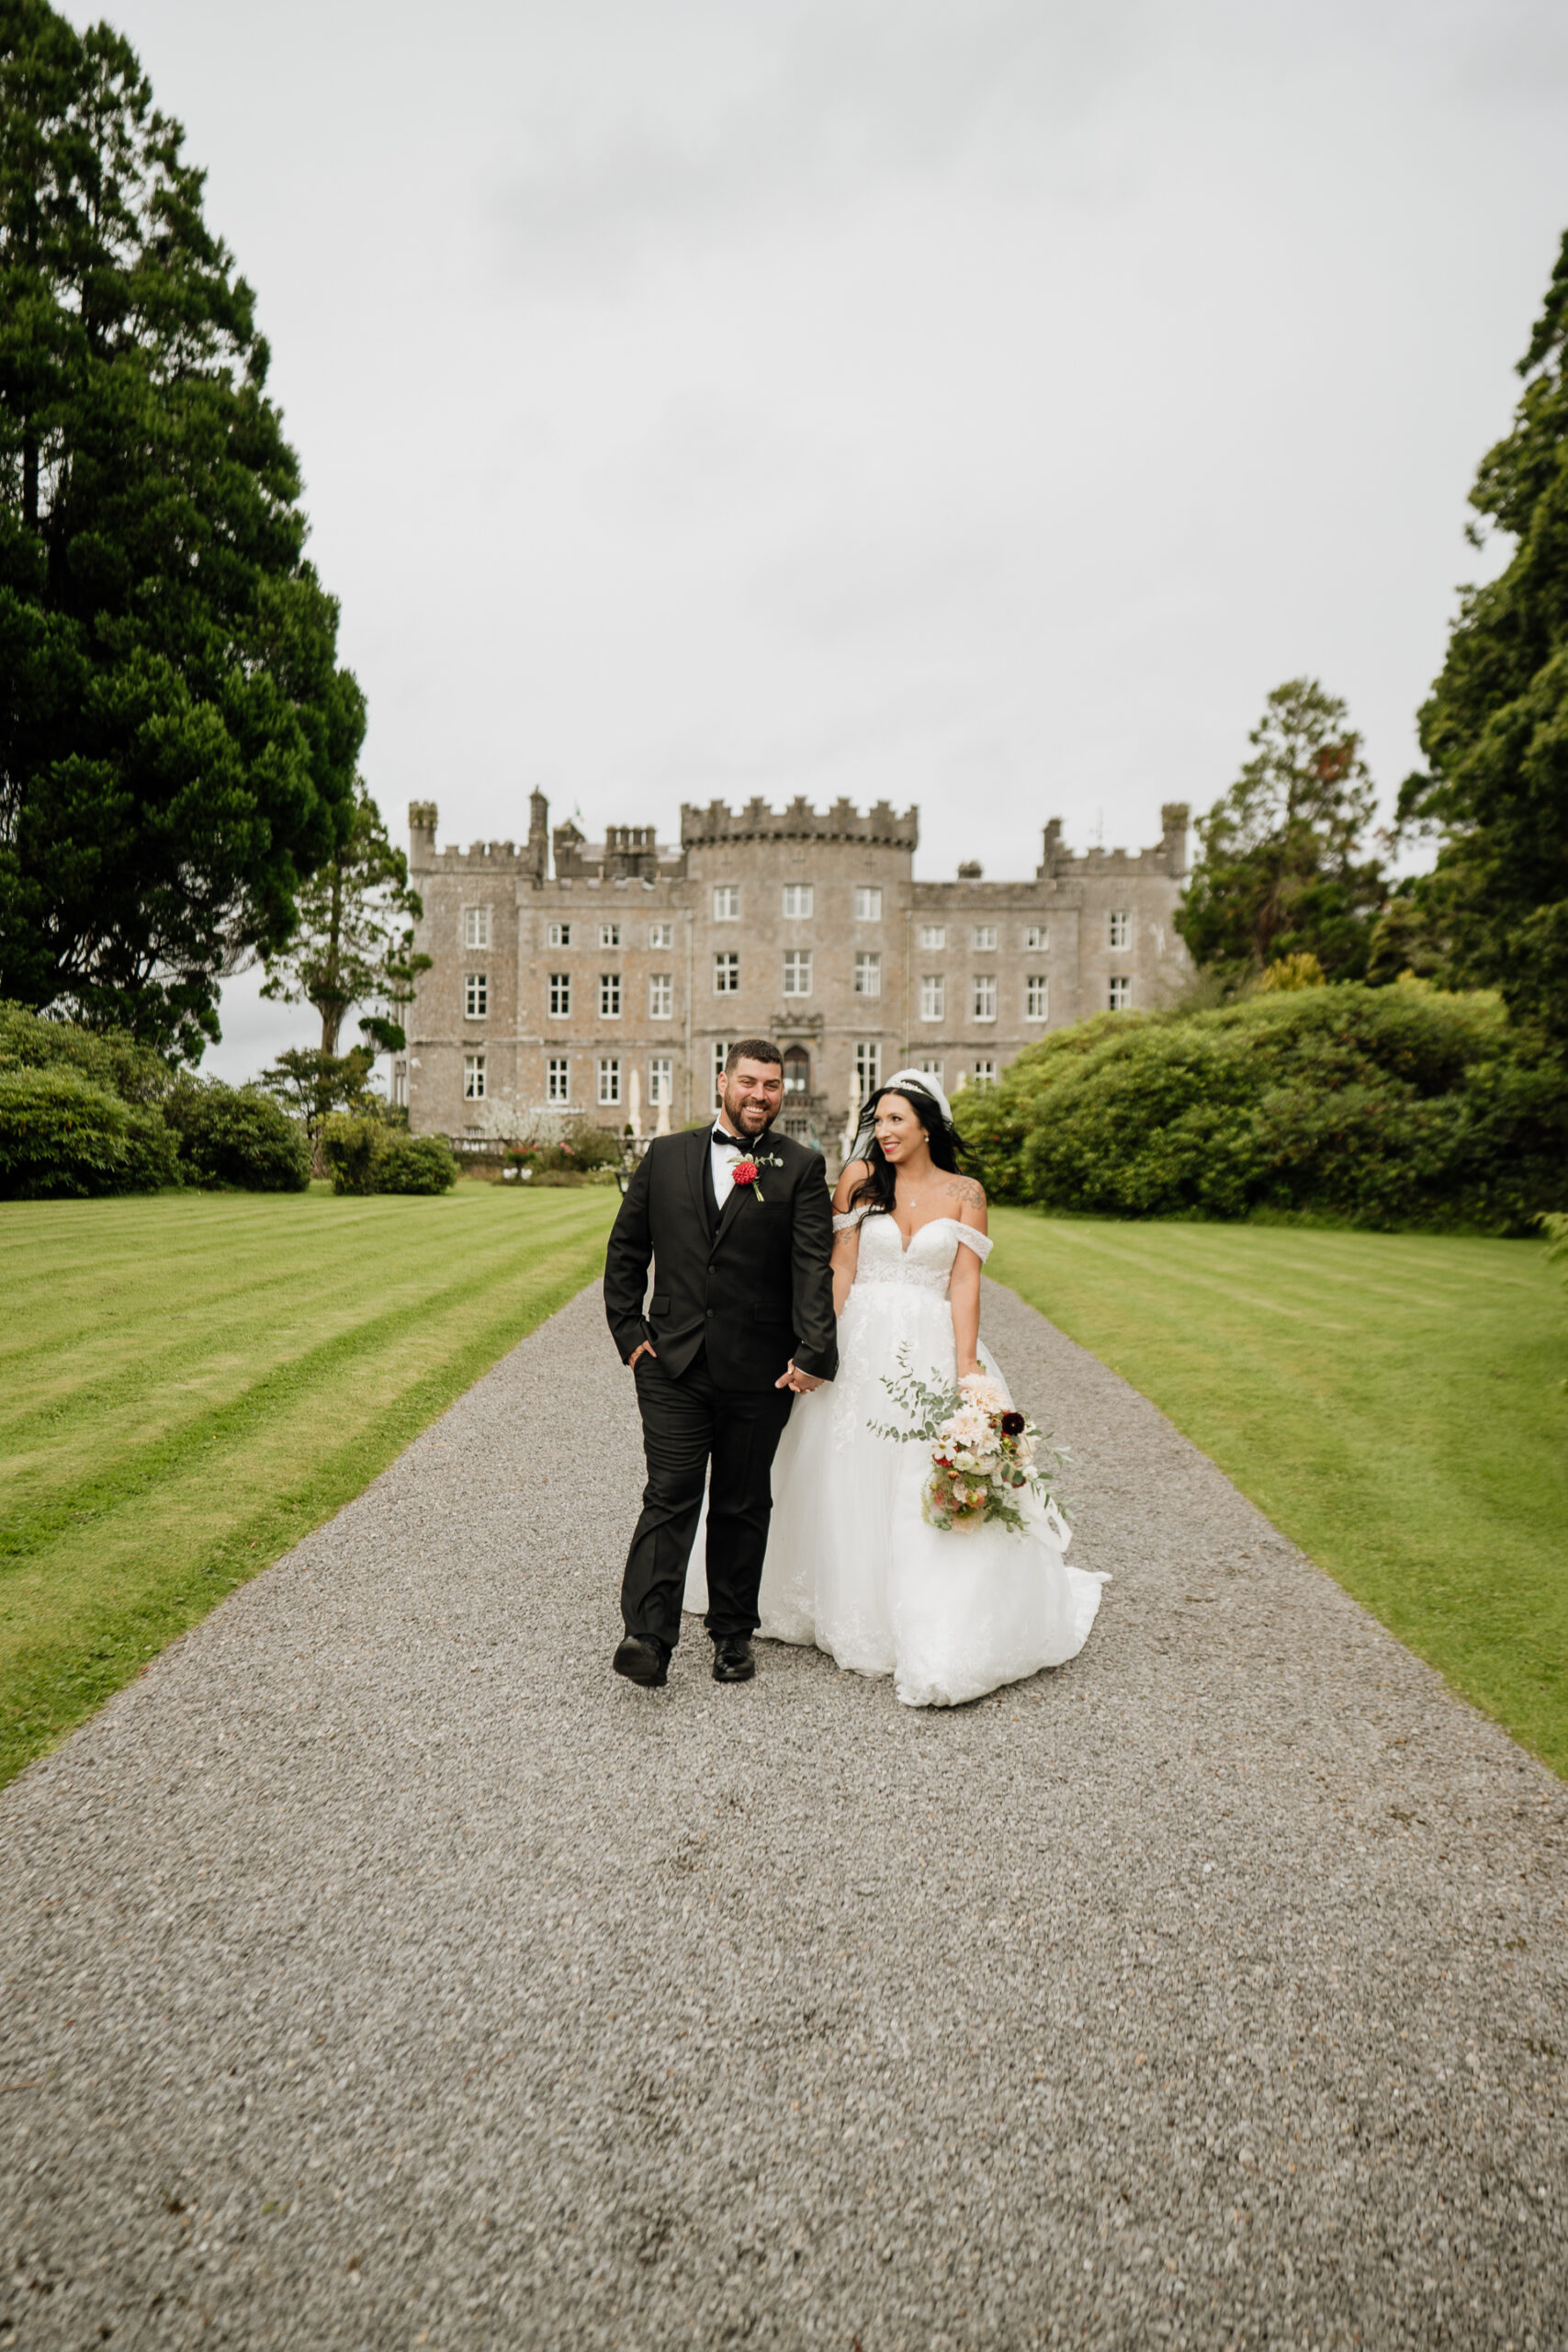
<point x="796" y="1070"/>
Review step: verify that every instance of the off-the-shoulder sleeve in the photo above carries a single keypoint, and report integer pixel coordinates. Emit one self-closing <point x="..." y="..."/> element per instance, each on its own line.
<point x="980" y="1242"/>
<point x="851" y="1218"/>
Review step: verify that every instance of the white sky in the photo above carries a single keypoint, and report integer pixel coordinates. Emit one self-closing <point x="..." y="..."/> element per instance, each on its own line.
<point x="978" y="402"/>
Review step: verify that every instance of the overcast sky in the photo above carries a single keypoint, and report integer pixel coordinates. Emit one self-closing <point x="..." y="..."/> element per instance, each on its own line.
<point x="975" y="402"/>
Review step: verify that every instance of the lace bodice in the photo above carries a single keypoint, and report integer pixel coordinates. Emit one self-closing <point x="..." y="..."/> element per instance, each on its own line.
<point x="926" y="1264"/>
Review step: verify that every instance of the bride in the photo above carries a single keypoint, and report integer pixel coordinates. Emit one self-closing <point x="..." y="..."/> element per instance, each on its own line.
<point x="852" y="1564"/>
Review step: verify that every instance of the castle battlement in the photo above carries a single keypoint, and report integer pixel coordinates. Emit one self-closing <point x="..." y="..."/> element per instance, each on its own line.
<point x="798" y="823"/>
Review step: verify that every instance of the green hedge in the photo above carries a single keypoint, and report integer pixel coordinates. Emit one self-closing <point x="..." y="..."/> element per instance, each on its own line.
<point x="63" y="1136"/>
<point x="1380" y="1106"/>
<point x="366" y="1156"/>
<point x="233" y="1137"/>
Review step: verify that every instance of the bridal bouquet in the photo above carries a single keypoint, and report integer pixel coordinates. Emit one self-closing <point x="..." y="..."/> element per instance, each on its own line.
<point x="983" y="1453"/>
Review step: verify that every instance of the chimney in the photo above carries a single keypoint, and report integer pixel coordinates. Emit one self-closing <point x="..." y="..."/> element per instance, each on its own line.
<point x="1173" y="818"/>
<point x="422" y="834"/>
<point x="1050" y="851"/>
<point x="536" y="857"/>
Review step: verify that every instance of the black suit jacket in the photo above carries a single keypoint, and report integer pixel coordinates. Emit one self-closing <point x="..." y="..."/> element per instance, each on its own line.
<point x="756" y="1292"/>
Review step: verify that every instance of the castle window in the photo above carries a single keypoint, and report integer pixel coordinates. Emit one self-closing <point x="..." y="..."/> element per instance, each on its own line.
<point x="560" y="996"/>
<point x="557" y="1080"/>
<point x="720" y="1056"/>
<point x="985" y="996"/>
<point x="933" y="996"/>
<point x="798" y="971"/>
<point x="931" y="1069"/>
<point x="985" y="937"/>
<point x="661" y="934"/>
<point x="609" y="996"/>
<point x="560" y="934"/>
<point x="868" y="905"/>
<point x="1037" y="997"/>
<point x="609" y="1084"/>
<point x="726" y="902"/>
<point x="609" y="934"/>
<point x="473" y="1078"/>
<point x="475" y="926"/>
<point x="933" y="934"/>
<point x="727" y="974"/>
<point x="799" y="898"/>
<point x="661" y="1085"/>
<point x="796" y="1070"/>
<point x="1120" y="992"/>
<point x="476" y="995"/>
<point x="984" y="1074"/>
<point x="1037" y="935"/>
<point x="868" y="975"/>
<point x="1119" y="931"/>
<point x="661" y="996"/>
<point x="868" y="1067"/>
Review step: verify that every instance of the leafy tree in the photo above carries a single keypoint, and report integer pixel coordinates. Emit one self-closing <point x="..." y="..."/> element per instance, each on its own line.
<point x="1282" y="870"/>
<point x="177" y="742"/>
<point x="1496" y="728"/>
<point x="355" y="943"/>
<point x="313" y="1085"/>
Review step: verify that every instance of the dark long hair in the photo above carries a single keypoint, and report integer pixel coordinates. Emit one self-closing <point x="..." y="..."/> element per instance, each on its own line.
<point x="877" y="1189"/>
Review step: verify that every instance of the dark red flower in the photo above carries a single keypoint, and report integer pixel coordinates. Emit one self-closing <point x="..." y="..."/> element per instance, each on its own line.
<point x="745" y="1171"/>
<point x="1012" y="1424"/>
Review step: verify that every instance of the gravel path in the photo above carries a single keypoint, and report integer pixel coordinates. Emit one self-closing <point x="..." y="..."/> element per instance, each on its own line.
<point x="380" y="1971"/>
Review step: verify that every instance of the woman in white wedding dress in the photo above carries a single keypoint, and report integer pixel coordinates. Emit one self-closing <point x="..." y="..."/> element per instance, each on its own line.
<point x="852" y="1564"/>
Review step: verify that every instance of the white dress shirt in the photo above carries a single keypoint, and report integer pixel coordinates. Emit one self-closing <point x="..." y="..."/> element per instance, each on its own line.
<point x="722" y="1159"/>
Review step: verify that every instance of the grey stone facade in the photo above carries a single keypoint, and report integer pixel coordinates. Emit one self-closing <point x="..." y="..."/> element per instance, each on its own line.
<point x="607" y="979"/>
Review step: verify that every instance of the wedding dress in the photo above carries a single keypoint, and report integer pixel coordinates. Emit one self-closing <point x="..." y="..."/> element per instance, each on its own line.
<point x="852" y="1564"/>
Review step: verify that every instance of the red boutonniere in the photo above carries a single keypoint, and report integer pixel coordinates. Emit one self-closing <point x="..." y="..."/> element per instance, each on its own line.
<point x="745" y="1172"/>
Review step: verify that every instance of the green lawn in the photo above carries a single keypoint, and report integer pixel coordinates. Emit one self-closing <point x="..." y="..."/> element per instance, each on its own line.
<point x="1393" y="1401"/>
<point x="189" y="1383"/>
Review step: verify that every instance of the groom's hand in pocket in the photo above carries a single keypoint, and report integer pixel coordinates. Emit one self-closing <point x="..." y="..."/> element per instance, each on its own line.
<point x="802" y="1383"/>
<point x="645" y="1347"/>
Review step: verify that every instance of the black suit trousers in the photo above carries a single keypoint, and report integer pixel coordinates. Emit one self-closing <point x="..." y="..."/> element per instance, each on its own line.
<point x="687" y="1422"/>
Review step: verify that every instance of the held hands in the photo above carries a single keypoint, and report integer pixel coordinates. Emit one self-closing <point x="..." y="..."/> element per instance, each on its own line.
<point x="800" y="1383"/>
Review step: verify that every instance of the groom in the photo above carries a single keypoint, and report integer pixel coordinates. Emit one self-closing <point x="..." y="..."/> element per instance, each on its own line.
<point x="739" y="1223"/>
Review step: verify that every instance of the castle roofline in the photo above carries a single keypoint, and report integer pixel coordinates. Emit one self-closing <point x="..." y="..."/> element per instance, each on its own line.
<point x="799" y="822"/>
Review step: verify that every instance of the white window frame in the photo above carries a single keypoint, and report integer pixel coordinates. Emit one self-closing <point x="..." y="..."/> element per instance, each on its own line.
<point x="476" y="996"/>
<point x="661" y="934"/>
<point x="799" y="901"/>
<point x="558" y="1079"/>
<point x="798" y="971"/>
<point x="661" y="1084"/>
<point x="473" y="1078"/>
<point x="726" y="972"/>
<point x="933" y="996"/>
<point x="985" y="939"/>
<point x="559" y="997"/>
<point x="933" y="936"/>
<point x="609" y="934"/>
<point x="1119" y="930"/>
<point x="475" y="926"/>
<point x="726" y="902"/>
<point x="1036" y="996"/>
<point x="609" y="996"/>
<point x="868" y="971"/>
<point x="560" y="934"/>
<point x="983" y="1074"/>
<point x="983" y="997"/>
<point x="661" y="995"/>
<point x="868" y="902"/>
<point x="1118" y="996"/>
<point x="868" y="1066"/>
<point x="1037" y="937"/>
<point x="609" y="1084"/>
<point x="720" y="1056"/>
<point x="931" y="1069"/>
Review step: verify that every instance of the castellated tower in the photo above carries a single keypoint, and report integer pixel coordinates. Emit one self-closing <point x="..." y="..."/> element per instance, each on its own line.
<point x="607" y="979"/>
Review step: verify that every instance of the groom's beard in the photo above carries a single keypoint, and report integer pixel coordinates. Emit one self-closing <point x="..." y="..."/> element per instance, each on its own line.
<point x="738" y="1119"/>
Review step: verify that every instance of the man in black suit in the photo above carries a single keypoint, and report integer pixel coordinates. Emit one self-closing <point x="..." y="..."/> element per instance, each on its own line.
<point x="739" y="1223"/>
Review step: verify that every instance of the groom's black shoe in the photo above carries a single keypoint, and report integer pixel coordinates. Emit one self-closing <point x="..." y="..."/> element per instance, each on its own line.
<point x="642" y="1661"/>
<point x="732" y="1658"/>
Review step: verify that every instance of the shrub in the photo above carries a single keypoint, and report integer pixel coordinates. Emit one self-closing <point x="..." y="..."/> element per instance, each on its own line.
<point x="416" y="1164"/>
<point x="236" y="1137"/>
<point x="61" y="1135"/>
<point x="350" y="1146"/>
<point x="109" y="1058"/>
<point x="1381" y="1106"/>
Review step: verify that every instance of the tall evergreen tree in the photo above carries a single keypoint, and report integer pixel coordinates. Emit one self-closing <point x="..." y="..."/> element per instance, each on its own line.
<point x="1496" y="728"/>
<point x="1281" y="869"/>
<point x="354" y="941"/>
<point x="177" y="742"/>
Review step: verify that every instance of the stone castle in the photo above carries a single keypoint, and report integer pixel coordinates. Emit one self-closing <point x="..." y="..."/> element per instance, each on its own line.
<point x="608" y="979"/>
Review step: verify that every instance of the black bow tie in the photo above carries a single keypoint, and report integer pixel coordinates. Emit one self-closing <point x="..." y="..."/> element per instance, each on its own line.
<point x="742" y="1144"/>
